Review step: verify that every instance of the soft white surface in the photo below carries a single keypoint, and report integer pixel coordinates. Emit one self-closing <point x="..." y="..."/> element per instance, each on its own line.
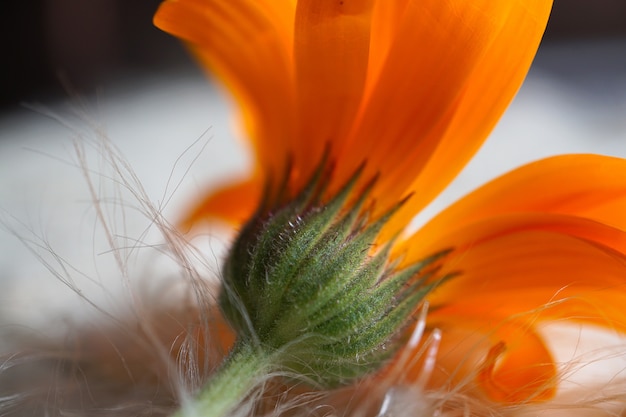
<point x="573" y="101"/>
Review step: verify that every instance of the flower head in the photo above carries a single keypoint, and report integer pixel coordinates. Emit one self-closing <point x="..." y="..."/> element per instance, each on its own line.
<point x="405" y="92"/>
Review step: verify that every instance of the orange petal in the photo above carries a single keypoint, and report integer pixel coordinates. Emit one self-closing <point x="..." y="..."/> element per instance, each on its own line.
<point x="516" y="272"/>
<point x="247" y="44"/>
<point x="555" y="275"/>
<point x="503" y="360"/>
<point x="450" y="74"/>
<point x="590" y="186"/>
<point x="384" y="32"/>
<point x="468" y="237"/>
<point x="522" y="370"/>
<point x="331" y="53"/>
<point x="486" y="94"/>
<point x="234" y="203"/>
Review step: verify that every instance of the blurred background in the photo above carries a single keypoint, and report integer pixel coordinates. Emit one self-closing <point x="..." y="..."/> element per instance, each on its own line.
<point x="52" y="46"/>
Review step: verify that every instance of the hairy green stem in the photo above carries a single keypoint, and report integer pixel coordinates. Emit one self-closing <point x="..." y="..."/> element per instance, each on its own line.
<point x="232" y="383"/>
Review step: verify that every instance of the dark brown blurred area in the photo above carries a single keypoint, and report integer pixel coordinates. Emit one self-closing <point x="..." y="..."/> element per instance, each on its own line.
<point x="55" y="46"/>
<point x="58" y="47"/>
<point x="592" y="19"/>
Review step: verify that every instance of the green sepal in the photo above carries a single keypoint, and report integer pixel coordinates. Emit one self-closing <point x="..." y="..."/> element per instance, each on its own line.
<point x="306" y="280"/>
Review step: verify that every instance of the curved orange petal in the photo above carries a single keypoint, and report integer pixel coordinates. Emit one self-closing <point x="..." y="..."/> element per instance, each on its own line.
<point x="508" y="271"/>
<point x="234" y="203"/>
<point x="450" y="74"/>
<point x="516" y="272"/>
<point x="591" y="186"/>
<point x="466" y="238"/>
<point x="248" y="45"/>
<point x="505" y="360"/>
<point x="518" y="369"/>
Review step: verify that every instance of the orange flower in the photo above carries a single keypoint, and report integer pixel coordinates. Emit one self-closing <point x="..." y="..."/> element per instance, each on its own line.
<point x="413" y="89"/>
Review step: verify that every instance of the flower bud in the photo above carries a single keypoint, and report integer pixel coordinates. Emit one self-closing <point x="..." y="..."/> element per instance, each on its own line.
<point x="310" y="282"/>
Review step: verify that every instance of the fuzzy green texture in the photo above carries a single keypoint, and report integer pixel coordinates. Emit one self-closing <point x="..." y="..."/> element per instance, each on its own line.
<point x="231" y="384"/>
<point x="311" y="297"/>
<point x="302" y="280"/>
